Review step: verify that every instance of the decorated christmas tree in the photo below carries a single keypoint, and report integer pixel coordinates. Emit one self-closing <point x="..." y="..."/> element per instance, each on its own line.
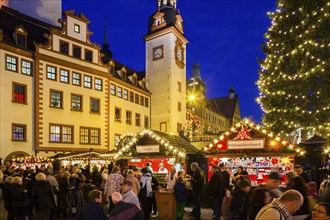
<point x="294" y="79"/>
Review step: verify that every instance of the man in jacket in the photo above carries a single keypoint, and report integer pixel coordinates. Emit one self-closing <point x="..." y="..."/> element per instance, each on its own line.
<point x="123" y="210"/>
<point x="197" y="185"/>
<point x="128" y="194"/>
<point x="283" y="207"/>
<point x="93" y="209"/>
<point x="216" y="190"/>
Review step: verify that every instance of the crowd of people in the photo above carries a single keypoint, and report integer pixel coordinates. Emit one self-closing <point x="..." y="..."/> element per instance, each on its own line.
<point x="130" y="193"/>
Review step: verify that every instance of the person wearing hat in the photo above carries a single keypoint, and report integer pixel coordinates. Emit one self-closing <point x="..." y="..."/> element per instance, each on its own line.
<point x="300" y="171"/>
<point x="93" y="209"/>
<point x="240" y="198"/>
<point x="128" y="195"/>
<point x="272" y="184"/>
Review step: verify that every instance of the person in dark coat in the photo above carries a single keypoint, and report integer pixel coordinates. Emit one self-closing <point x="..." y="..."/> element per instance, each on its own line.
<point x="63" y="196"/>
<point x="300" y="171"/>
<point x="216" y="187"/>
<point x="259" y="198"/>
<point x="197" y="185"/>
<point x="96" y="177"/>
<point x="123" y="210"/>
<point x="7" y="197"/>
<point x="180" y="191"/>
<point x="43" y="197"/>
<point x="240" y="198"/>
<point x="20" y="199"/>
<point x="93" y="209"/>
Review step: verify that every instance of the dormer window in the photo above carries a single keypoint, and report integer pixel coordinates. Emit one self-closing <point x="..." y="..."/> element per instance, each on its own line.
<point x="144" y="85"/>
<point x="64" y="47"/>
<point x="20" y="36"/>
<point x="134" y="80"/>
<point x="123" y="75"/>
<point x="76" y="28"/>
<point x="158" y="21"/>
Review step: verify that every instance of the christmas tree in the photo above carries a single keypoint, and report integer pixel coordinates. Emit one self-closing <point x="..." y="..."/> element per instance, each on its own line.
<point x="294" y="79"/>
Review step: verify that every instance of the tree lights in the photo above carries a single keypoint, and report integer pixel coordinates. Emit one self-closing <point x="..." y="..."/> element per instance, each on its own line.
<point x="294" y="79"/>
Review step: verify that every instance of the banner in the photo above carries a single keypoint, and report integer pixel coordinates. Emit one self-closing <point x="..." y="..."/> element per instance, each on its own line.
<point x="245" y="144"/>
<point x="147" y="148"/>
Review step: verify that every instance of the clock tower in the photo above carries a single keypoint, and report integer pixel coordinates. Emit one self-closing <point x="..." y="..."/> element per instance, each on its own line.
<point x="166" y="67"/>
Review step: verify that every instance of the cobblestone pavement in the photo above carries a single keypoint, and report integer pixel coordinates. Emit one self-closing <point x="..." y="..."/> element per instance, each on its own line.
<point x="206" y="213"/>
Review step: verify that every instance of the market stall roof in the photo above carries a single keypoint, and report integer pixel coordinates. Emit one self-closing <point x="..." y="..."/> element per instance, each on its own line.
<point x="86" y="155"/>
<point x="247" y="138"/>
<point x="169" y="145"/>
<point x="314" y="140"/>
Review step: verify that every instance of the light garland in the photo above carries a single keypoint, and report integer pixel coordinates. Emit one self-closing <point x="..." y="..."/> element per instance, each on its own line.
<point x="153" y="135"/>
<point x="35" y="158"/>
<point x="252" y="125"/>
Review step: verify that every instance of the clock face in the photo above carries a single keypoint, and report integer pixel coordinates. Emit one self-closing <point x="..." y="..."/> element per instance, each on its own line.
<point x="179" y="54"/>
<point x="158" y="53"/>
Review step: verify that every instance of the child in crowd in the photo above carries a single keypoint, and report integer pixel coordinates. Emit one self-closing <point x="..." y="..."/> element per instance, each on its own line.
<point x="180" y="197"/>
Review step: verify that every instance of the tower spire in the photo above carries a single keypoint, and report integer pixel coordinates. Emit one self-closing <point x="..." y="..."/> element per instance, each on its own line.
<point x="162" y="3"/>
<point x="196" y="73"/>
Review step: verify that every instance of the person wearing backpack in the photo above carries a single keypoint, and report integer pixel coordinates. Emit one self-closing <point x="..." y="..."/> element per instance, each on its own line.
<point x="146" y="192"/>
<point x="282" y="208"/>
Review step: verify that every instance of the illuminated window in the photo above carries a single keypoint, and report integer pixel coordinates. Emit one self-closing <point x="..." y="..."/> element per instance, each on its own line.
<point x="26" y="68"/>
<point x="19" y="93"/>
<point x="95" y="105"/>
<point x="112" y="89"/>
<point x="90" y="135"/>
<point x="51" y="72"/>
<point x="18" y="132"/>
<point x="125" y="94"/>
<point x="98" y="84"/>
<point x="76" y="79"/>
<point x="60" y="133"/>
<point x="87" y="82"/>
<point x="76" y="28"/>
<point x="11" y="63"/>
<point x="118" y="114"/>
<point x="76" y="102"/>
<point x="119" y="92"/>
<point x="56" y="99"/>
<point x="64" y="76"/>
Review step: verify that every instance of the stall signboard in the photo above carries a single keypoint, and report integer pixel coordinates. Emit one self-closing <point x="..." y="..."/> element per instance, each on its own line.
<point x="147" y="149"/>
<point x="245" y="144"/>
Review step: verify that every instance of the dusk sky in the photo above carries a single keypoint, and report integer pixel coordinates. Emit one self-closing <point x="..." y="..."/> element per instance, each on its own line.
<point x="224" y="37"/>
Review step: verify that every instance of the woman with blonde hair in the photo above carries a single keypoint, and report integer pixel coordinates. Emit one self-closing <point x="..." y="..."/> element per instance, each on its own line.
<point x="43" y="197"/>
<point x="136" y="183"/>
<point x="20" y="199"/>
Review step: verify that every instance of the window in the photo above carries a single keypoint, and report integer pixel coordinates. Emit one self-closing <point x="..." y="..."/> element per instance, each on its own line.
<point x="131" y="96"/>
<point x="123" y="75"/>
<point x="11" y="63"/>
<point x="119" y="92"/>
<point x="163" y="126"/>
<point x="134" y="80"/>
<point x="179" y="127"/>
<point x="56" y="99"/>
<point x="146" y="102"/>
<point x="137" y="119"/>
<point x="95" y="105"/>
<point x="90" y="135"/>
<point x="137" y="98"/>
<point x="18" y="132"/>
<point x="51" y="72"/>
<point x="88" y="55"/>
<point x="179" y="107"/>
<point x="64" y="76"/>
<point x="141" y="100"/>
<point x="125" y="94"/>
<point x="76" y="102"/>
<point x="87" y="82"/>
<point x="76" y="79"/>
<point x="146" y="121"/>
<point x="144" y="85"/>
<point x="76" y="51"/>
<point x="98" y="84"/>
<point x="19" y="93"/>
<point x="117" y="139"/>
<point x="113" y="89"/>
<point x="64" y="47"/>
<point x="60" y="133"/>
<point x="118" y="114"/>
<point x="76" y="28"/>
<point x="179" y="86"/>
<point x="128" y="117"/>
<point x="21" y="40"/>
<point x="26" y="67"/>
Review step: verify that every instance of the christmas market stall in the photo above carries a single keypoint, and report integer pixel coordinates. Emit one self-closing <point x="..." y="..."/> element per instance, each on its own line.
<point x="84" y="159"/>
<point x="29" y="161"/>
<point x="257" y="150"/>
<point x="161" y="150"/>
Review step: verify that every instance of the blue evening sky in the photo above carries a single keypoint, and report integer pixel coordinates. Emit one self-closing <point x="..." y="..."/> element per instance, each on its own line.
<point x="224" y="37"/>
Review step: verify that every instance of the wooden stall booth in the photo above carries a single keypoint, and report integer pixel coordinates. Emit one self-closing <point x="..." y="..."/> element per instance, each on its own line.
<point x="157" y="148"/>
<point x="257" y="150"/>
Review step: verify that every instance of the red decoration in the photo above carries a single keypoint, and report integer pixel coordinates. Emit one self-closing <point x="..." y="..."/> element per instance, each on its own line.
<point x="243" y="134"/>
